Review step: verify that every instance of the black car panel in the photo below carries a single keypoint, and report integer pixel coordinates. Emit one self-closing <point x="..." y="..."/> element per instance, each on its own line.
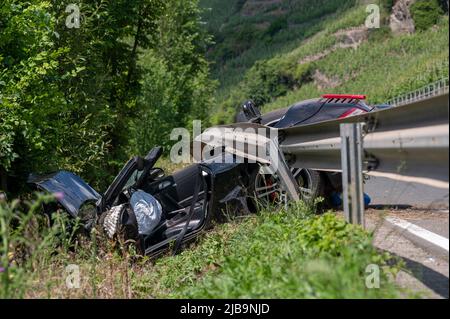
<point x="74" y="192"/>
<point x="319" y="110"/>
<point x="299" y="112"/>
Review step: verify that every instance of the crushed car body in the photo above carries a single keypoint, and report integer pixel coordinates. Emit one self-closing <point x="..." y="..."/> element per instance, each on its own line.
<point x="156" y="211"/>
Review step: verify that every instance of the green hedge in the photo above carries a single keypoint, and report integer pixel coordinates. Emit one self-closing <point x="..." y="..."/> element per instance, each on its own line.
<point x="426" y="13"/>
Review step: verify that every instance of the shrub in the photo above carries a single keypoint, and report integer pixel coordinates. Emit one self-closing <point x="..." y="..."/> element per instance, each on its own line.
<point x="276" y="26"/>
<point x="426" y="13"/>
<point x="302" y="72"/>
<point x="310" y="257"/>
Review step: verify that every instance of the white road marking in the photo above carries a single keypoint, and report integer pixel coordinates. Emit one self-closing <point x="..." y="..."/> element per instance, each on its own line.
<point x="411" y="179"/>
<point x="420" y="232"/>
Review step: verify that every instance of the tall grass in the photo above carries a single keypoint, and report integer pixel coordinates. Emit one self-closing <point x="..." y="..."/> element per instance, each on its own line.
<point x="290" y="253"/>
<point x="36" y="250"/>
<point x="26" y="241"/>
<point x="226" y="21"/>
<point x="383" y="68"/>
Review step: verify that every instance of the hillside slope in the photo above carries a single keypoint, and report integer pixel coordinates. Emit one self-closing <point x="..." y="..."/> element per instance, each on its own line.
<point x="331" y="51"/>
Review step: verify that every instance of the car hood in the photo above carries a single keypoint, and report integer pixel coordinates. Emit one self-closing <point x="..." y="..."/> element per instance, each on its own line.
<point x="70" y="190"/>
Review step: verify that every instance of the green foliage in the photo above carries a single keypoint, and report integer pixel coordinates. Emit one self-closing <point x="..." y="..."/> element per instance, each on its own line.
<point x="383" y="67"/>
<point x="259" y="31"/>
<point x="26" y="241"/>
<point x="35" y="250"/>
<point x="176" y="88"/>
<point x="270" y="79"/>
<point x="310" y="257"/>
<point x="276" y="26"/>
<point x="74" y="98"/>
<point x="304" y="19"/>
<point x="425" y="13"/>
<point x="28" y="66"/>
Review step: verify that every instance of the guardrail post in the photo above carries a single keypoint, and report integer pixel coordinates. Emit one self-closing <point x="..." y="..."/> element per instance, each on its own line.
<point x="352" y="176"/>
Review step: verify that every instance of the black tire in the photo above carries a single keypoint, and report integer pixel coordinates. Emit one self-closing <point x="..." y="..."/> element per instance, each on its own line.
<point x="312" y="184"/>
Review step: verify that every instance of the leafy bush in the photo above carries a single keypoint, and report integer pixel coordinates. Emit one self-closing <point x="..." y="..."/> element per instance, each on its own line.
<point x="309" y="257"/>
<point x="175" y="87"/>
<point x="74" y="98"/>
<point x="267" y="80"/>
<point x="425" y="13"/>
<point x="66" y="94"/>
<point x="276" y="26"/>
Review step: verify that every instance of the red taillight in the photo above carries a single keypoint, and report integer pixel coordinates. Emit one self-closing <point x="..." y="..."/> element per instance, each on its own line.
<point x="344" y="96"/>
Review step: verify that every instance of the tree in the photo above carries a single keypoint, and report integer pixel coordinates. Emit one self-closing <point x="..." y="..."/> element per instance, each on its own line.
<point x="176" y="88"/>
<point x="66" y="94"/>
<point x="74" y="96"/>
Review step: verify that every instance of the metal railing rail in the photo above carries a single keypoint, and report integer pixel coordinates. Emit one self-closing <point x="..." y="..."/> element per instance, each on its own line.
<point x="430" y="90"/>
<point x="410" y="140"/>
<point x="408" y="143"/>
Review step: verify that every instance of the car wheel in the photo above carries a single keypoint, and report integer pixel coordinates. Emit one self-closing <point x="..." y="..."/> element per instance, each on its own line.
<point x="266" y="189"/>
<point x="311" y="183"/>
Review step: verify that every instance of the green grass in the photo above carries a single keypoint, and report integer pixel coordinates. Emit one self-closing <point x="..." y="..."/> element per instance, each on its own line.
<point x="290" y="254"/>
<point x="382" y="69"/>
<point x="287" y="254"/>
<point x="243" y="39"/>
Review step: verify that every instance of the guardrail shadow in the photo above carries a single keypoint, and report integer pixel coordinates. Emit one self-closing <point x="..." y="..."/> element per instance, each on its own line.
<point x="434" y="280"/>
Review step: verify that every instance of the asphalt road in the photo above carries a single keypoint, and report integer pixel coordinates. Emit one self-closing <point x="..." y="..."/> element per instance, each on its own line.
<point x="418" y="205"/>
<point x="427" y="270"/>
<point x="384" y="191"/>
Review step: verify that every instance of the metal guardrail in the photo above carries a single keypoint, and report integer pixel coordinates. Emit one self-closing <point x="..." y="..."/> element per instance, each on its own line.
<point x="433" y="89"/>
<point x="409" y="140"/>
<point x="408" y="143"/>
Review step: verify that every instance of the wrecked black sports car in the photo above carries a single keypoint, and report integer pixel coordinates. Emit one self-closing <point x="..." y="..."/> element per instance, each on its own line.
<point x="312" y="183"/>
<point x="154" y="210"/>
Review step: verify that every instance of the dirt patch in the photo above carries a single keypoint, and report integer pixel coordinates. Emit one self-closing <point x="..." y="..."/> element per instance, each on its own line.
<point x="315" y="57"/>
<point x="322" y="81"/>
<point x="352" y="38"/>
<point x="348" y="38"/>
